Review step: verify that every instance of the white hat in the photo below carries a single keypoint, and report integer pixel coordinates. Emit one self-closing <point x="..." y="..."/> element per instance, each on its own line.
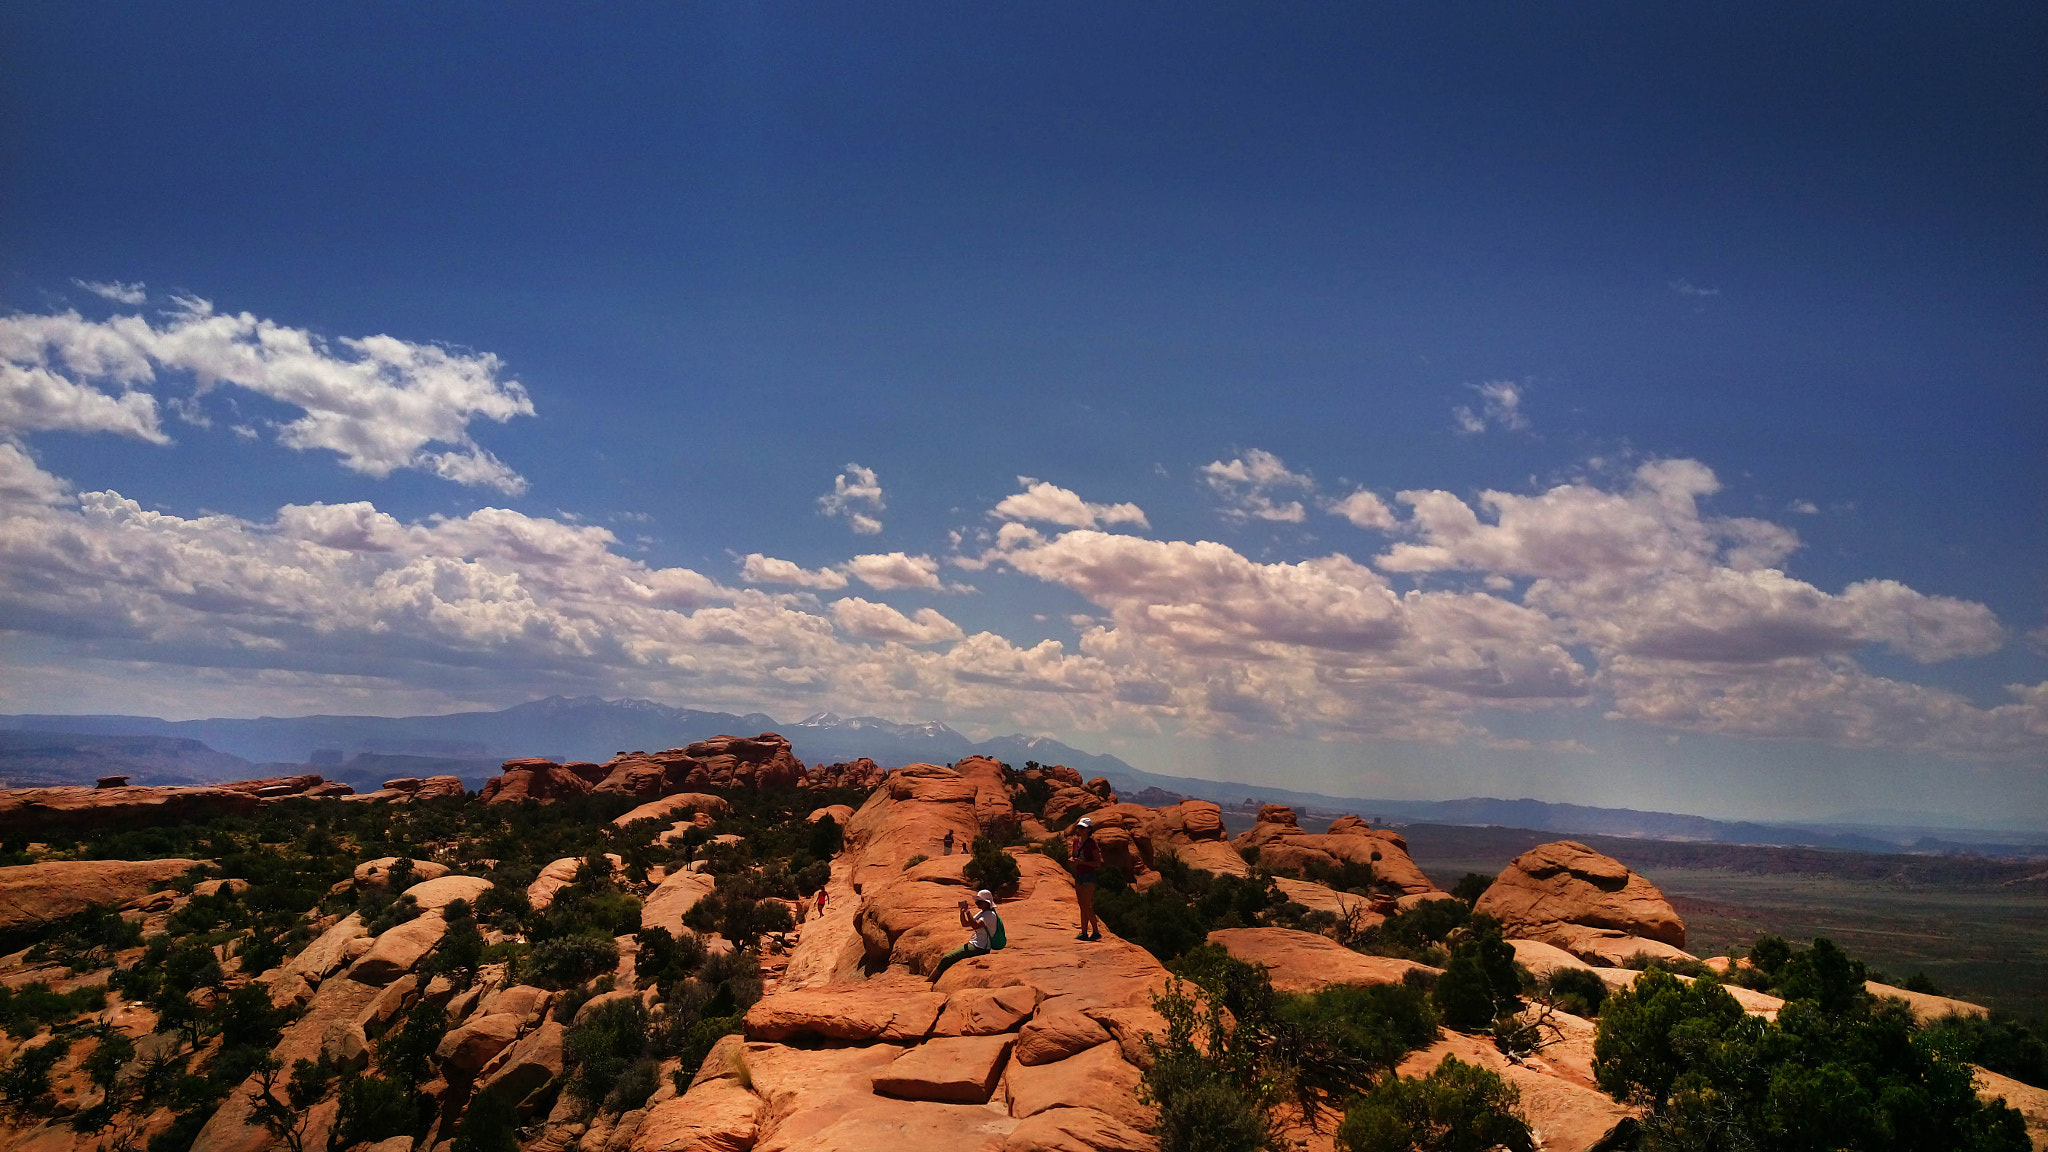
<point x="1084" y="822"/>
<point x="985" y="896"/>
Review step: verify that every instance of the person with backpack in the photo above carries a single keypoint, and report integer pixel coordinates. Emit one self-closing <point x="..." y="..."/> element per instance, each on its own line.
<point x="1084" y="856"/>
<point x="988" y="932"/>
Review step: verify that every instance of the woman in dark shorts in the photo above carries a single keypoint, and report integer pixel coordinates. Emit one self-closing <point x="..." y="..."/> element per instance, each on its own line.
<point x="1084" y="856"/>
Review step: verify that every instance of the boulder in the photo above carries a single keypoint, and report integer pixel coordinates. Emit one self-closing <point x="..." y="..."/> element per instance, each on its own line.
<point x="892" y="1009"/>
<point x="532" y="778"/>
<point x="37" y="893"/>
<point x="669" y="809"/>
<point x="521" y="1000"/>
<point x="558" y="875"/>
<point x="1284" y="845"/>
<point x="529" y="1065"/>
<point x="1605" y="946"/>
<point x="951" y="1069"/>
<point x="677" y="893"/>
<point x="715" y="1116"/>
<point x="858" y="773"/>
<point x="318" y="960"/>
<point x="1306" y="962"/>
<point x="1554" y="888"/>
<point x="1077" y="1130"/>
<point x="840" y="814"/>
<point x="985" y="1011"/>
<point x="1098" y="1078"/>
<point x="1543" y="959"/>
<point x="399" y="950"/>
<point x="763" y="761"/>
<point x="1130" y="1025"/>
<point x="465" y="1050"/>
<point x="434" y="895"/>
<point x="376" y="872"/>
<point x="1051" y="1037"/>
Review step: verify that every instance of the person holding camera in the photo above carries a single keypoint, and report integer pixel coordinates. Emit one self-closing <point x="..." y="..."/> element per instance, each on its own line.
<point x="988" y="932"/>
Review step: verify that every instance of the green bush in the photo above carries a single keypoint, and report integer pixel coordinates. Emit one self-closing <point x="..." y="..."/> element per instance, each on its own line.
<point x="489" y="1124"/>
<point x="1579" y="991"/>
<point x="1211" y="1096"/>
<point x="24" y="1009"/>
<point x="992" y="868"/>
<point x="827" y="838"/>
<point x="570" y="960"/>
<point x="25" y="1081"/>
<point x="2007" y="1046"/>
<point x="404" y="1052"/>
<point x="603" y="1048"/>
<point x="1834" y="1071"/>
<point x="1458" y="1107"/>
<point x="377" y="1108"/>
<point x="1471" y="886"/>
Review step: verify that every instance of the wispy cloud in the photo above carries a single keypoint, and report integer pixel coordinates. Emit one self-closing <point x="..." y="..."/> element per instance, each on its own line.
<point x="1500" y="406"/>
<point x="853" y="490"/>
<point x="1688" y="288"/>
<point x="119" y="293"/>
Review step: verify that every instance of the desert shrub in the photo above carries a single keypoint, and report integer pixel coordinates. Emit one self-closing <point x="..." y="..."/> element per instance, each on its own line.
<point x="601" y="1050"/>
<point x="1471" y="886"/>
<point x="992" y="868"/>
<point x="33" y="1004"/>
<point x="827" y="838"/>
<point x="1769" y="955"/>
<point x="1418" y="934"/>
<point x="377" y="1108"/>
<point x="739" y="909"/>
<point x="403" y="1053"/>
<point x="1343" y="875"/>
<point x="697" y="1041"/>
<point x="1330" y="1044"/>
<point x="567" y="961"/>
<point x="461" y="950"/>
<point x="489" y="1124"/>
<point x="1458" y="1107"/>
<point x="665" y="960"/>
<point x="1161" y="921"/>
<point x="812" y="877"/>
<point x="2007" y="1046"/>
<point x="86" y="940"/>
<point x="1578" y="991"/>
<point x="245" y="1018"/>
<point x="1212" y="1096"/>
<point x="914" y="861"/>
<point x="1480" y="982"/>
<point x="1919" y="982"/>
<point x="1826" y="975"/>
<point x="1833" y="1071"/>
<point x="25" y="1081"/>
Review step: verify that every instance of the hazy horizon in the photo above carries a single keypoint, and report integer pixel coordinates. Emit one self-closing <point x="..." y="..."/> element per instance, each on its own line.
<point x="1632" y="408"/>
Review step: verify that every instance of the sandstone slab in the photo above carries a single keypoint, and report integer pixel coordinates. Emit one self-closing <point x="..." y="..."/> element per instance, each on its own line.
<point x="1305" y="962"/>
<point x="434" y="895"/>
<point x="1098" y="1078"/>
<point x="880" y="1009"/>
<point x="986" y="1011"/>
<point x="672" y="898"/>
<point x="399" y="950"/>
<point x="378" y="871"/>
<point x="950" y="1069"/>
<point x="35" y="893"/>
<point x="1565" y="1115"/>
<point x="1077" y="1130"/>
<point x="1926" y="1007"/>
<point x="465" y="1050"/>
<point x="1053" y="1036"/>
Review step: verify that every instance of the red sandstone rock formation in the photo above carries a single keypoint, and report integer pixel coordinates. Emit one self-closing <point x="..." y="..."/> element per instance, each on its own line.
<point x="532" y="778"/>
<point x="36" y="811"/>
<point x="1590" y="905"/>
<point x="861" y="773"/>
<point x="1284" y="845"/>
<point x="33" y="893"/>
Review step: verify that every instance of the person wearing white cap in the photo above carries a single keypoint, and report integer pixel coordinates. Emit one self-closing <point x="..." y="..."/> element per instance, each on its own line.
<point x="1084" y="856"/>
<point x="988" y="932"/>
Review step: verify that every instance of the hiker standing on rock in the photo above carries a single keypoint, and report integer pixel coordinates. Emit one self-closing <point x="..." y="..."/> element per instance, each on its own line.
<point x="988" y="932"/>
<point x="949" y="841"/>
<point x="1084" y="856"/>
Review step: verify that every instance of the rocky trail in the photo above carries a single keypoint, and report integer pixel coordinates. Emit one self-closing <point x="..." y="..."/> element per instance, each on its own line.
<point x="751" y="1015"/>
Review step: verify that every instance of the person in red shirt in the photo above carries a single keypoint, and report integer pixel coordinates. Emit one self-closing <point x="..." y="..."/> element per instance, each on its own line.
<point x="1084" y="856"/>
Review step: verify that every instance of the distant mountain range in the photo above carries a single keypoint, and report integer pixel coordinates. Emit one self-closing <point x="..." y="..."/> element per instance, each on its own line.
<point x="366" y="750"/>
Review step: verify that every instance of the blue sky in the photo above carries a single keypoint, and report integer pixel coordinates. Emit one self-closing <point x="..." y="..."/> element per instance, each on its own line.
<point x="1603" y="404"/>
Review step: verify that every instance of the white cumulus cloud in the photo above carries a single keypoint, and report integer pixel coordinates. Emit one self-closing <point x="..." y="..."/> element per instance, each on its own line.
<point x="1051" y="504"/>
<point x="377" y="402"/>
<point x="871" y="621"/>
<point x="759" y="569"/>
<point x="1253" y="487"/>
<point x="855" y="497"/>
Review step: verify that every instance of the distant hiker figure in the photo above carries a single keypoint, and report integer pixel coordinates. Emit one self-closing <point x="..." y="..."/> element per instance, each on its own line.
<point x="988" y="932"/>
<point x="1084" y="856"/>
<point x="821" y="901"/>
<point x="949" y="841"/>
